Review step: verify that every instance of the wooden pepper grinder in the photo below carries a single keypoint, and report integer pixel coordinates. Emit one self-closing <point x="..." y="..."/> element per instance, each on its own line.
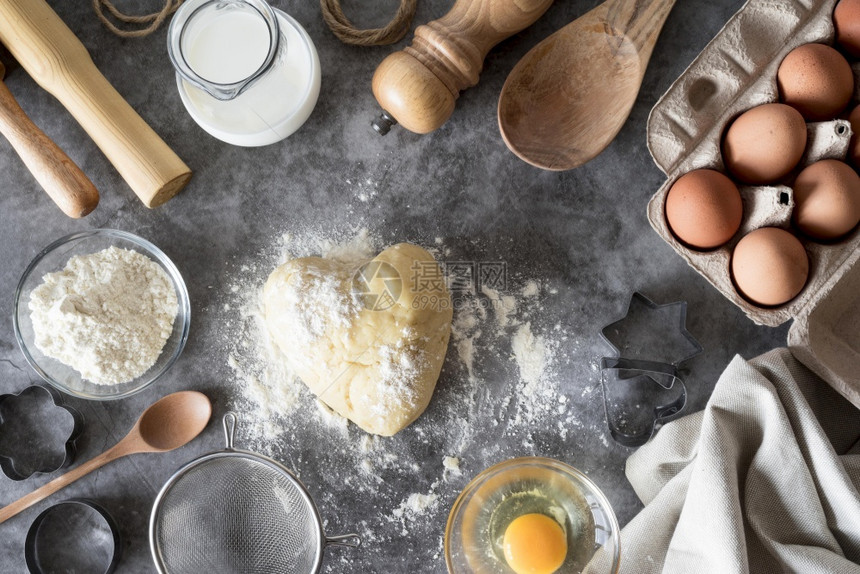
<point x="417" y="87"/>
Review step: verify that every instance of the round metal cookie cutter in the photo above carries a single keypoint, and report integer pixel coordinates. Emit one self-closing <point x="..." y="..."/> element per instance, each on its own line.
<point x="76" y="535"/>
<point x="237" y="511"/>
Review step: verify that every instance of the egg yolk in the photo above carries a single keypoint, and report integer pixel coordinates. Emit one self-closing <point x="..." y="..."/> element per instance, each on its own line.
<point x="535" y="544"/>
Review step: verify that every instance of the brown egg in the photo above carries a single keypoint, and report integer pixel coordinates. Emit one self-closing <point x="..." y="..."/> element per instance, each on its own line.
<point x="854" y="147"/>
<point x="764" y="144"/>
<point x="827" y="200"/>
<point x="816" y="80"/>
<point x="846" y="18"/>
<point x="769" y="266"/>
<point x="704" y="209"/>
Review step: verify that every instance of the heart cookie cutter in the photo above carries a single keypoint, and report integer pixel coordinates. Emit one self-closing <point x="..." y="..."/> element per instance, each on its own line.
<point x="24" y="421"/>
<point x="642" y="385"/>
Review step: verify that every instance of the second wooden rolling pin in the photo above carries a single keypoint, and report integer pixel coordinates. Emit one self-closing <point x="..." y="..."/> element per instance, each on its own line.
<point x="59" y="62"/>
<point x="64" y="181"/>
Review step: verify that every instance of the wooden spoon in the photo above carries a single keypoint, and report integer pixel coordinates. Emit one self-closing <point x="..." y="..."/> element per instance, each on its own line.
<point x="168" y="424"/>
<point x="567" y="99"/>
<point x="64" y="181"/>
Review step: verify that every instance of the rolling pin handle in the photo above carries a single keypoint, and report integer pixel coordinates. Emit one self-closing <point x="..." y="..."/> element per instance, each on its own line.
<point x="383" y="123"/>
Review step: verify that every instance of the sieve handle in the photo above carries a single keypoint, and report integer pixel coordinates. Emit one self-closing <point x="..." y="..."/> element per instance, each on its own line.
<point x="229" y="422"/>
<point x="346" y="540"/>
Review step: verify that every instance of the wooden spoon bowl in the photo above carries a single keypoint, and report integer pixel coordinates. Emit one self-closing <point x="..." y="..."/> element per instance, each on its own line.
<point x="568" y="97"/>
<point x="167" y="424"/>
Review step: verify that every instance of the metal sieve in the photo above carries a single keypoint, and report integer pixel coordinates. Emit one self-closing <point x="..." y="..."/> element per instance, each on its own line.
<point x="236" y="511"/>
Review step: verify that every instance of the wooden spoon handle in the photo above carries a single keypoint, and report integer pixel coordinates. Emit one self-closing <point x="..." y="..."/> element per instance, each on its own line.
<point x="64" y="181"/>
<point x="59" y="62"/>
<point x="639" y="20"/>
<point x="62" y="481"/>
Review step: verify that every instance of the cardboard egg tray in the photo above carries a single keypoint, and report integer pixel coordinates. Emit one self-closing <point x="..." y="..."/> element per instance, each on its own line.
<point x="735" y="72"/>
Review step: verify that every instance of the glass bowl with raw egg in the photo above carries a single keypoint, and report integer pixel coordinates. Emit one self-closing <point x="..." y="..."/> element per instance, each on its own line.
<point x="532" y="516"/>
<point x="55" y="274"/>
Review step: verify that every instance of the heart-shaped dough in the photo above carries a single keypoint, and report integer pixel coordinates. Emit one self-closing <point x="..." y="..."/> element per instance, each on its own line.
<point x="369" y="345"/>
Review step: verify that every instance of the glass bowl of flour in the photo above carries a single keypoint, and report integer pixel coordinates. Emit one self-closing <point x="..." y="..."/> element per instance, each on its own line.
<point x="101" y="314"/>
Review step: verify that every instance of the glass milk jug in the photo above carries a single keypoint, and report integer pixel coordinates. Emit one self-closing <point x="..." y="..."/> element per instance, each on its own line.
<point x="247" y="73"/>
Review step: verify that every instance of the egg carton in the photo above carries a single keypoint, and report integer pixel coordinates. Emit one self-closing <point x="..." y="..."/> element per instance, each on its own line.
<point x="735" y="72"/>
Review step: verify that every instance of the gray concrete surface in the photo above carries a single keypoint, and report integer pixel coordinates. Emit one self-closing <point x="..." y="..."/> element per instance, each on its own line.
<point x="583" y="232"/>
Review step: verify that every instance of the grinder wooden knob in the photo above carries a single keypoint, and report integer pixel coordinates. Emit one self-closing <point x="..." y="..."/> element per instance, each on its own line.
<point x="417" y="87"/>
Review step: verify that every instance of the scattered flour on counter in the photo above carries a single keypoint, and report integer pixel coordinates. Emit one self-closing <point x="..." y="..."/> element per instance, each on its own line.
<point x="534" y="354"/>
<point x="537" y="394"/>
<point x="531" y="355"/>
<point x="451" y="465"/>
<point x="532" y="289"/>
<point x="268" y="390"/>
<point x="503" y="305"/>
<point x="332" y="419"/>
<point x="465" y="332"/>
<point x="107" y="315"/>
<point x="416" y="505"/>
<point x="365" y="191"/>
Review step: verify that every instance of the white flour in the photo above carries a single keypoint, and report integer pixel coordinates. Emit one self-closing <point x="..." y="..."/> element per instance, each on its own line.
<point x="503" y="306"/>
<point x="399" y="372"/>
<point x="316" y="303"/>
<point x="531" y="355"/>
<point x="415" y="505"/>
<point x="451" y="465"/>
<point x="531" y="289"/>
<point x="465" y="333"/>
<point x="107" y="315"/>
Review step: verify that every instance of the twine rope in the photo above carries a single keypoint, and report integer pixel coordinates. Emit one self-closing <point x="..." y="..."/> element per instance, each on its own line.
<point x="347" y="33"/>
<point x="332" y="13"/>
<point x="152" y="21"/>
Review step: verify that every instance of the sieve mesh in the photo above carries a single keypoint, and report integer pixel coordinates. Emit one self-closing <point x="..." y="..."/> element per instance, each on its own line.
<point x="233" y="514"/>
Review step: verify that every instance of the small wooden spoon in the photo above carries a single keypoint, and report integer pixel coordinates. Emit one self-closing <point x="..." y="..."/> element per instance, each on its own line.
<point x="64" y="181"/>
<point x="567" y="99"/>
<point x="167" y="424"/>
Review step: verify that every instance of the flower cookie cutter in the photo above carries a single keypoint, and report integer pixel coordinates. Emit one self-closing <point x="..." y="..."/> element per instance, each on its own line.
<point x="642" y="385"/>
<point x="34" y="437"/>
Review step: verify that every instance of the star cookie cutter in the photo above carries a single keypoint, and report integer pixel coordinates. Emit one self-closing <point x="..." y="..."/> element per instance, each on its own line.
<point x="33" y="436"/>
<point x="642" y="385"/>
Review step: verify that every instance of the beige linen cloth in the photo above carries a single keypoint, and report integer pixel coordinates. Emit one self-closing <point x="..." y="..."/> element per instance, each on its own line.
<point x="764" y="480"/>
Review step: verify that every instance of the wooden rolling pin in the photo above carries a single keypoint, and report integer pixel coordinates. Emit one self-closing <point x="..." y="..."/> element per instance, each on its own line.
<point x="59" y="62"/>
<point x="64" y="181"/>
<point x="417" y="87"/>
